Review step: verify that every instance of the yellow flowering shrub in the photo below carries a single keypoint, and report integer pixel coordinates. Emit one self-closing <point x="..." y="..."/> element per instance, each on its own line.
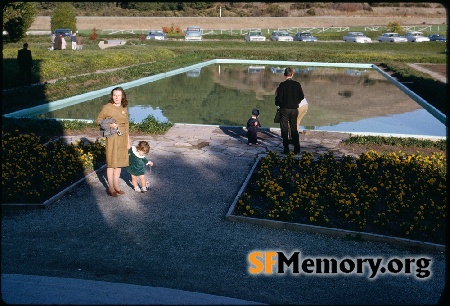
<point x="392" y="194"/>
<point x="34" y="170"/>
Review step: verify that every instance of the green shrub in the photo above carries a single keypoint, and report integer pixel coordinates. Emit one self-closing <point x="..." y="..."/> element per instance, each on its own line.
<point x="395" y="27"/>
<point x="17" y="18"/>
<point x="42" y="127"/>
<point x="50" y="127"/>
<point x="150" y="126"/>
<point x="398" y="141"/>
<point x="63" y="16"/>
<point x="274" y="10"/>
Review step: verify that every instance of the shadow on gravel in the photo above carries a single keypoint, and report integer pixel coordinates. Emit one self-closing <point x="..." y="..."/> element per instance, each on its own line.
<point x="176" y="236"/>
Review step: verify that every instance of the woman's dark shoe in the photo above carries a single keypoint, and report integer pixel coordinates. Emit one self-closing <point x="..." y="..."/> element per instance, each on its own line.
<point x="112" y="194"/>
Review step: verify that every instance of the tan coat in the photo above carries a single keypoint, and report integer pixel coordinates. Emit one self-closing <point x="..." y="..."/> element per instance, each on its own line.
<point x="116" y="146"/>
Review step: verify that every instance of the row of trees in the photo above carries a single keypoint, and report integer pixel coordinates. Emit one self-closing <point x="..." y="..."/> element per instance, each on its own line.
<point x="141" y="6"/>
<point x="18" y="17"/>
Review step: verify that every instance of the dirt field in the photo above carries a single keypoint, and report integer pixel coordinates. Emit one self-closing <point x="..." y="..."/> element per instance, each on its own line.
<point x="233" y="23"/>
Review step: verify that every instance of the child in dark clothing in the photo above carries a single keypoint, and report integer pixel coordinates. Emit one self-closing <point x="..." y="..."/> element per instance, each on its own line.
<point x="138" y="161"/>
<point x="252" y="128"/>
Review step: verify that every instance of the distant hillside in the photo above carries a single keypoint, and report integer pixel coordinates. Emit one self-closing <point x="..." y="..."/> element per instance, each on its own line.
<point x="251" y="9"/>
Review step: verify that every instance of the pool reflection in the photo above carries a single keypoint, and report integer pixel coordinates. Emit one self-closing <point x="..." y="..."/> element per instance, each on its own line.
<point x="339" y="100"/>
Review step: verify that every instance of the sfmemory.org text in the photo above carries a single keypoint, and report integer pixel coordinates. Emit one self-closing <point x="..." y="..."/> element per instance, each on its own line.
<point x="277" y="263"/>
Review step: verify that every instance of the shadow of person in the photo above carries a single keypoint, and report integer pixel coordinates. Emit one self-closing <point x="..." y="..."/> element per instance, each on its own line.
<point x="236" y="132"/>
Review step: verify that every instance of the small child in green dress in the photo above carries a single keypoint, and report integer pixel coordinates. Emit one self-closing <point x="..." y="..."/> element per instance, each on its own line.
<point x="137" y="165"/>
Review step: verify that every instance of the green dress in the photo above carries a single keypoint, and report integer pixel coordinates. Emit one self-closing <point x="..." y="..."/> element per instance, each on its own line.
<point x="137" y="162"/>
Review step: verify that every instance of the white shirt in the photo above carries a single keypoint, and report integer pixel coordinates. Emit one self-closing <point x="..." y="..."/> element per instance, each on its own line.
<point x="303" y="102"/>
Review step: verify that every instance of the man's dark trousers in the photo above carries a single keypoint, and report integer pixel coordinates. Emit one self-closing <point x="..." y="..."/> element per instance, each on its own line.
<point x="289" y="115"/>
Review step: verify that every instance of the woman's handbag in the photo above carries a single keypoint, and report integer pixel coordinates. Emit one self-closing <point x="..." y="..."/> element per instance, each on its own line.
<point x="277" y="118"/>
<point x="105" y="130"/>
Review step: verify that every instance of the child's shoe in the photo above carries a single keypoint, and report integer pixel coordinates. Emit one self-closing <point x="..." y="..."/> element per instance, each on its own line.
<point x="137" y="189"/>
<point x="147" y="184"/>
<point x="144" y="189"/>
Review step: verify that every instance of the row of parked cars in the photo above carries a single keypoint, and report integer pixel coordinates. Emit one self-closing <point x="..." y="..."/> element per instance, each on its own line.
<point x="357" y="37"/>
<point x="194" y="33"/>
<point x="411" y="36"/>
<point x="256" y="35"/>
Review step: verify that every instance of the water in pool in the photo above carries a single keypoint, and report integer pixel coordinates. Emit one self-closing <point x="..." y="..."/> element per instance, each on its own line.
<point x="340" y="99"/>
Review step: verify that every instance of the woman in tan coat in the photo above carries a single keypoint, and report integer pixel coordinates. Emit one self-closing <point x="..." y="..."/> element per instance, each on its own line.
<point x="118" y="144"/>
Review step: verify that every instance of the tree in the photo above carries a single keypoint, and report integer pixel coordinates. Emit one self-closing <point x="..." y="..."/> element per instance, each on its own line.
<point x="394" y="27"/>
<point x="63" y="16"/>
<point x="17" y="18"/>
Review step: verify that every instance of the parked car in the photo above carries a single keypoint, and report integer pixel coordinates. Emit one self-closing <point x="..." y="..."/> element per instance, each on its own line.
<point x="281" y="36"/>
<point x="255" y="69"/>
<point x="277" y="70"/>
<point x="254" y="35"/>
<point x="391" y="37"/>
<point x="193" y="33"/>
<point x="356" y="37"/>
<point x="156" y="35"/>
<point x="64" y="32"/>
<point x="416" y="36"/>
<point x="304" y="36"/>
<point x="194" y="73"/>
<point x="304" y="70"/>
<point x="437" y="37"/>
<point x="354" y="72"/>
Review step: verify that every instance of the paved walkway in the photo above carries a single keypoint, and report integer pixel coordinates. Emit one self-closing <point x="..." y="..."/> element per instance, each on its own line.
<point x="43" y="290"/>
<point x="172" y="244"/>
<point x="437" y="76"/>
<point x="204" y="140"/>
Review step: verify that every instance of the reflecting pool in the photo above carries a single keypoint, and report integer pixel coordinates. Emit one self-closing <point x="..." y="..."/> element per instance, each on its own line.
<point x="340" y="99"/>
